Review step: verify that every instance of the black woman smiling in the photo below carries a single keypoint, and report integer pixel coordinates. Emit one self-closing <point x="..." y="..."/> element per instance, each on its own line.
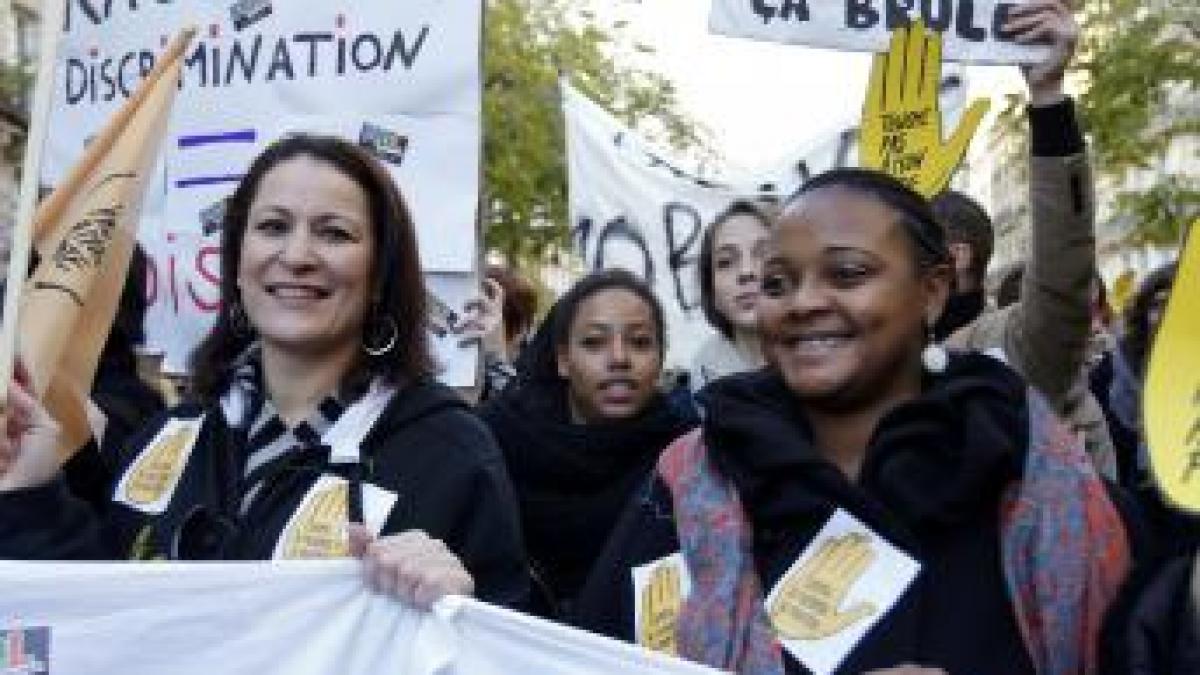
<point x="867" y="491"/>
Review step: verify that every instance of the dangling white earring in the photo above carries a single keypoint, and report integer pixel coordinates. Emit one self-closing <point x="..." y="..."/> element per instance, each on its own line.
<point x="934" y="357"/>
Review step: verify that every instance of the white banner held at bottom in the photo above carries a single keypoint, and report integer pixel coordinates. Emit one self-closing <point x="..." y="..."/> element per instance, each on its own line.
<point x="294" y="618"/>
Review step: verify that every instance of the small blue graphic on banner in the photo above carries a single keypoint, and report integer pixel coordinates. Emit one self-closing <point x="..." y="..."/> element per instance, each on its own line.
<point x="193" y="141"/>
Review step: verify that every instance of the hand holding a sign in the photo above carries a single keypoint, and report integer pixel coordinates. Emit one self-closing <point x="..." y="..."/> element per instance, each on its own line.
<point x="1045" y="22"/>
<point x="28" y="446"/>
<point x="902" y="117"/>
<point x="412" y="566"/>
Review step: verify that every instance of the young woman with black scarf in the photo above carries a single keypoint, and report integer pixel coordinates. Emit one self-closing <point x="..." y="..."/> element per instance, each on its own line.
<point x="583" y="425"/>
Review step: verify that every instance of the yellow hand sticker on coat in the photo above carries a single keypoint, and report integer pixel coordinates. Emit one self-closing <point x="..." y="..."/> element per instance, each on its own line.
<point x="809" y="603"/>
<point x="158" y="468"/>
<point x="1171" y="397"/>
<point x="319" y="529"/>
<point x="901" y="130"/>
<point x="661" y="602"/>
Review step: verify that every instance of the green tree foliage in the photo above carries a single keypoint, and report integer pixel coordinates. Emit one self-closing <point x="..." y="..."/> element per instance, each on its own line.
<point x="1139" y="63"/>
<point x="526" y="44"/>
<point x="1142" y="64"/>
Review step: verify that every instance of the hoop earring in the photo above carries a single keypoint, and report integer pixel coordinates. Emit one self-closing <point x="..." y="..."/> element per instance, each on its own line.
<point x="933" y="357"/>
<point x="238" y="322"/>
<point x="374" y="342"/>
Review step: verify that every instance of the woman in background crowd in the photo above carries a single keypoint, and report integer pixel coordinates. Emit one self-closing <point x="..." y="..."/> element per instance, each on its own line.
<point x="583" y="424"/>
<point x="316" y="429"/>
<point x="1117" y="379"/>
<point x="730" y="268"/>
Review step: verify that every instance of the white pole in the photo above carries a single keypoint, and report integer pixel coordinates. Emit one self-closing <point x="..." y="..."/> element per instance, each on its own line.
<point x="22" y="235"/>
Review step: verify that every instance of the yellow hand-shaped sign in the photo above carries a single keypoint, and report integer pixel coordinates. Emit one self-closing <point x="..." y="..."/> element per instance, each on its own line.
<point x="1171" y="399"/>
<point x="809" y="603"/>
<point x="661" y="601"/>
<point x="319" y="529"/>
<point x="157" y="469"/>
<point x="902" y="118"/>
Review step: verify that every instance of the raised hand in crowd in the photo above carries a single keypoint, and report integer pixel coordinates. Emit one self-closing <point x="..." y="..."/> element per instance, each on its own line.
<point x="1046" y="22"/>
<point x="484" y="320"/>
<point x="412" y="566"/>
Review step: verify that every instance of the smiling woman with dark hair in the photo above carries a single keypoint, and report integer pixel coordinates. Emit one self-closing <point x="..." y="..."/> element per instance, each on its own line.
<point x="867" y="490"/>
<point x="583" y="424"/>
<point x="316" y="429"/>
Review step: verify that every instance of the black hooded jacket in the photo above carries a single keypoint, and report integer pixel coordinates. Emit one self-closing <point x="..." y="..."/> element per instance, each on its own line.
<point x="1156" y="629"/>
<point x="426" y="448"/>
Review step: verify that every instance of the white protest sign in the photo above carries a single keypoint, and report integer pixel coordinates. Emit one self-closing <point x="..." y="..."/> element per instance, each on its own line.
<point x="276" y="618"/>
<point x="841" y="585"/>
<point x="402" y="79"/>
<point x="973" y="30"/>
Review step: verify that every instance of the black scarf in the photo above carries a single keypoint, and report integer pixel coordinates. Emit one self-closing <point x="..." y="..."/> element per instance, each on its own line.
<point x="574" y="480"/>
<point x="931" y="461"/>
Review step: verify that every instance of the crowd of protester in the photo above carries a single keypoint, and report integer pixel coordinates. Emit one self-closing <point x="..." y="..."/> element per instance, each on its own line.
<point x="856" y="365"/>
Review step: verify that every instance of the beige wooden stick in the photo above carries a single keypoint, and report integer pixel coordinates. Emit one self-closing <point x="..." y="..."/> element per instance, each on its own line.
<point x="22" y="234"/>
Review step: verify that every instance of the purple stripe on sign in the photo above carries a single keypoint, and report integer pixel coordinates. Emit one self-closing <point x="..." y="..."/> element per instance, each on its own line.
<point x="199" y="181"/>
<point x="243" y="136"/>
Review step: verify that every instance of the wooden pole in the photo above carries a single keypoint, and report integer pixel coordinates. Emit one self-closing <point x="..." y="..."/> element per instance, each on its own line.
<point x="53" y="13"/>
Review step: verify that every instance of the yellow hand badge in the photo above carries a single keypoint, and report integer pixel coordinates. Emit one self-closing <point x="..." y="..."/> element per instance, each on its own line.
<point x="158" y="467"/>
<point x="662" y="601"/>
<point x="1171" y="398"/>
<point x="901" y="132"/>
<point x="808" y="605"/>
<point x="319" y="529"/>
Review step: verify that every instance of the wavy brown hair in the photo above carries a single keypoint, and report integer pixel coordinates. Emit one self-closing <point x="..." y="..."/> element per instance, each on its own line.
<point x="398" y="289"/>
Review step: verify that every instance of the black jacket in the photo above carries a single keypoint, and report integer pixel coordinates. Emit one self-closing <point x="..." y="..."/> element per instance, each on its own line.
<point x="573" y="480"/>
<point x="1156" y="631"/>
<point x="931" y="485"/>
<point x="427" y="448"/>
